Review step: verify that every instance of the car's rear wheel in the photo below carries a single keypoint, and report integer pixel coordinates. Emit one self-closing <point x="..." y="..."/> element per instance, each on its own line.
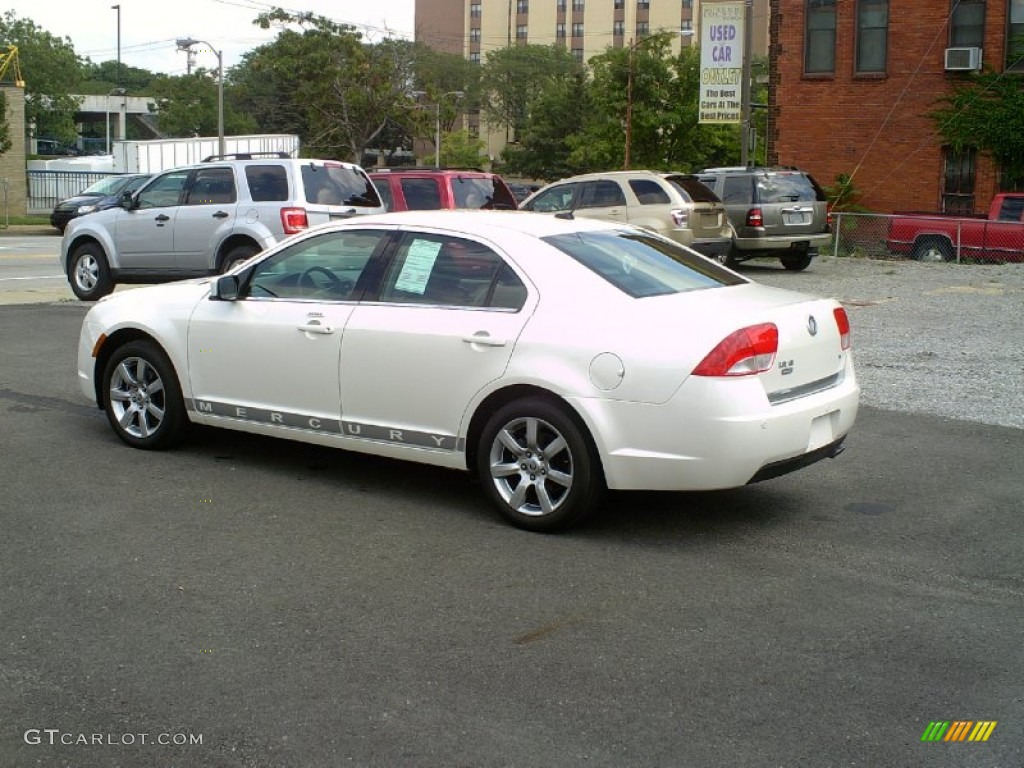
<point x="236" y="256"/>
<point x="142" y="398"/>
<point x="933" y="249"/>
<point x="89" y="273"/>
<point x="538" y="466"/>
<point x="796" y="262"/>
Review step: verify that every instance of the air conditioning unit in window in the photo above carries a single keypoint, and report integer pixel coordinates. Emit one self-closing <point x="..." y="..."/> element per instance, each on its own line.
<point x="963" y="59"/>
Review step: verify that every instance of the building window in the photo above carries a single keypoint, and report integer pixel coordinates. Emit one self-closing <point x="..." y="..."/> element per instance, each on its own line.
<point x="560" y="7"/>
<point x="967" y="25"/>
<point x="958" y="181"/>
<point x="618" y="28"/>
<point x="577" y="5"/>
<point x="474" y="57"/>
<point x="1015" y="37"/>
<point x="686" y="25"/>
<point x="578" y="54"/>
<point x="820" y="37"/>
<point x="522" y="6"/>
<point x="643" y="5"/>
<point x="619" y="5"/>
<point x="577" y="29"/>
<point x="872" y="35"/>
<point x="474" y="11"/>
<point x="474" y="35"/>
<point x="643" y="28"/>
<point x="521" y="31"/>
<point x="560" y="31"/>
<point x="687" y="3"/>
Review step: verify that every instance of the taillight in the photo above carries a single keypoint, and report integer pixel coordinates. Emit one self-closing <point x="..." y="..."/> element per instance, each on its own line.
<point x="679" y="217"/>
<point x="294" y="220"/>
<point x="742" y="353"/>
<point x="755" y="218"/>
<point x="843" y="323"/>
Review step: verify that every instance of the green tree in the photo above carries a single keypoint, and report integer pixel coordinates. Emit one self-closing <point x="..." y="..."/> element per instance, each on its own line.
<point x="987" y="113"/>
<point x="102" y="78"/>
<point x="461" y="150"/>
<point x="187" y="106"/>
<point x="5" y="127"/>
<point x="51" y="70"/>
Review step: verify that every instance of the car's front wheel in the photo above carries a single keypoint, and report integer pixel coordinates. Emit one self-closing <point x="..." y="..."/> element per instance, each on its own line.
<point x="538" y="466"/>
<point x="89" y="273"/>
<point x="142" y="398"/>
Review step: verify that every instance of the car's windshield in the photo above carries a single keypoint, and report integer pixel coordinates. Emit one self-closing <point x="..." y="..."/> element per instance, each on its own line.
<point x="108" y="186"/>
<point x="643" y="265"/>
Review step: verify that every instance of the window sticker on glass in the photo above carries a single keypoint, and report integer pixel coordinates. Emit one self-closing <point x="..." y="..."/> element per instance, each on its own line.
<point x="418" y="263"/>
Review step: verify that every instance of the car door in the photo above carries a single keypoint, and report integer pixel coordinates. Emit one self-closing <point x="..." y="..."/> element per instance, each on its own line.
<point x="144" y="235"/>
<point x="444" y="326"/>
<point x="205" y="218"/>
<point x="272" y="356"/>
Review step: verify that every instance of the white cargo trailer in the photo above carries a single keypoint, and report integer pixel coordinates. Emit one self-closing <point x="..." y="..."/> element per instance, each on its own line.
<point x="160" y="154"/>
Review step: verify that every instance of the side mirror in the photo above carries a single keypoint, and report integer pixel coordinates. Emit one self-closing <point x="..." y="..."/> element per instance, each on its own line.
<point x="225" y="288"/>
<point x="127" y="201"/>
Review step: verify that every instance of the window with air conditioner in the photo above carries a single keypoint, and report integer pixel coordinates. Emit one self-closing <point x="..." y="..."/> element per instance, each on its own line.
<point x="963" y="59"/>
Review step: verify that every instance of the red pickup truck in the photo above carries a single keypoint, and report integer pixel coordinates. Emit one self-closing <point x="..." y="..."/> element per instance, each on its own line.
<point x="938" y="237"/>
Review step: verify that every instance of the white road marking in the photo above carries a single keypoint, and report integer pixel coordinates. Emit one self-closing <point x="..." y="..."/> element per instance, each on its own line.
<point x="33" y="277"/>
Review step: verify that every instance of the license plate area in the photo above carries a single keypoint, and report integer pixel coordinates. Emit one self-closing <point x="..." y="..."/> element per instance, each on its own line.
<point x="822" y="431"/>
<point x="796" y="218"/>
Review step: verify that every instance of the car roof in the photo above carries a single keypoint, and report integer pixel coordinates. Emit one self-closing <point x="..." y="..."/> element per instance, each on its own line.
<point x="482" y="222"/>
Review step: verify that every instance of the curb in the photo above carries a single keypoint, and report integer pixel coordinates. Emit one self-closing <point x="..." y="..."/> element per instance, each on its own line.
<point x="22" y="230"/>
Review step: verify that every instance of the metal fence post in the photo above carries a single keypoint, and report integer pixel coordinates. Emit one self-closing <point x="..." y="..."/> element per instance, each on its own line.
<point x="839" y="229"/>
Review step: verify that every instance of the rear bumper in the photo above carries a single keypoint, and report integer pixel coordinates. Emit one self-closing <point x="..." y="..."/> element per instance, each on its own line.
<point x="713" y="248"/>
<point x="750" y="245"/>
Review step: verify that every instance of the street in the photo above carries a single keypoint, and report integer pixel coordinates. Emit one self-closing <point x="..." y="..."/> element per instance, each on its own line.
<point x="289" y="605"/>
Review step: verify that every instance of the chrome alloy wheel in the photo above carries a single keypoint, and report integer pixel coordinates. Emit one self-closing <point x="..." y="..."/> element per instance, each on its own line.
<point x="137" y="397"/>
<point x="87" y="273"/>
<point x="531" y="466"/>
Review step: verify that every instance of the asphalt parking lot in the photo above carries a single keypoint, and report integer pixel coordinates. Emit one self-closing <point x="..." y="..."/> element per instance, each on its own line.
<point x="288" y="605"/>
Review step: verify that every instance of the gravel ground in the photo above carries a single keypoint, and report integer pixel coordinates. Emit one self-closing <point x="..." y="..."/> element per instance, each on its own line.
<point x="944" y="339"/>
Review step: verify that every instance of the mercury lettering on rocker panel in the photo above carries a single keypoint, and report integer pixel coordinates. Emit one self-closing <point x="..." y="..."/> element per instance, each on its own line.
<point x="329" y="426"/>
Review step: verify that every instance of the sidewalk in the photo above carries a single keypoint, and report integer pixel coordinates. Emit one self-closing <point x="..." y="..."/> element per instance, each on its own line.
<point x="21" y="230"/>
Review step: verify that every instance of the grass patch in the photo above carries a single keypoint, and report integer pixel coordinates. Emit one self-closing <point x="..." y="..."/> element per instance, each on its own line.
<point x="38" y="219"/>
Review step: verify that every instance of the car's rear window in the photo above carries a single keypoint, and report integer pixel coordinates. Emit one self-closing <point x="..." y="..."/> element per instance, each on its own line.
<point x="267" y="183"/>
<point x="692" y="189"/>
<point x="649" y="192"/>
<point x="786" y="188"/>
<point x="330" y="184"/>
<point x="643" y="265"/>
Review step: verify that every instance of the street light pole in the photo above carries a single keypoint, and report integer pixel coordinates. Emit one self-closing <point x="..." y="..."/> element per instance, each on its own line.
<point x="184" y="44"/>
<point x="748" y="42"/>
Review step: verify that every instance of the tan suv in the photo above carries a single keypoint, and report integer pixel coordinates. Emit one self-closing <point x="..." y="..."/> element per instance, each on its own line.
<point x="675" y="205"/>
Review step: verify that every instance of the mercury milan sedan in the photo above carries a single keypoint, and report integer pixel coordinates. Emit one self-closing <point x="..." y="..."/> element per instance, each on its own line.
<point x="550" y="357"/>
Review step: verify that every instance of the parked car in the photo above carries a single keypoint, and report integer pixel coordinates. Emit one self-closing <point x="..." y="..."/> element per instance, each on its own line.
<point x="675" y="205"/>
<point x="776" y="212"/>
<point x="522" y="190"/>
<point x="428" y="189"/>
<point x="552" y="358"/>
<point x="105" y="193"/>
<point x="204" y="219"/>
<point x="999" y="236"/>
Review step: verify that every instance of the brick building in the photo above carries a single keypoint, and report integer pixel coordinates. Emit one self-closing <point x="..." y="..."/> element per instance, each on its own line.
<point x="853" y="83"/>
<point x="13" y="190"/>
<point x="471" y="28"/>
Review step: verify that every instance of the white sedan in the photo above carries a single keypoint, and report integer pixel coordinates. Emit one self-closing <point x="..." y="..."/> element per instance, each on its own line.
<point x="551" y="357"/>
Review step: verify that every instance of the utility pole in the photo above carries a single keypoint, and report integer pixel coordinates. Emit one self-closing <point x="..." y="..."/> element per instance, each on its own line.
<point x="748" y="44"/>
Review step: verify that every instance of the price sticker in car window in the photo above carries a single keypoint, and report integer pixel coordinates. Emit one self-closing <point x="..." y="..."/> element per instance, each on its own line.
<point x="418" y="263"/>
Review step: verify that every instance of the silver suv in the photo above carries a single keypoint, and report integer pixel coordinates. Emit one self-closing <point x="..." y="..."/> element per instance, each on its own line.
<point x="778" y="212"/>
<point x="675" y="205"/>
<point x="205" y="219"/>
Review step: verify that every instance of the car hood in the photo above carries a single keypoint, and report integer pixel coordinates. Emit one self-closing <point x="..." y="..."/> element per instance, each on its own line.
<point x="77" y="200"/>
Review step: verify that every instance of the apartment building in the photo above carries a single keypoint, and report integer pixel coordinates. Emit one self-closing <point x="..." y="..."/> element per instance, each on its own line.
<point x="471" y="28"/>
<point x="853" y="83"/>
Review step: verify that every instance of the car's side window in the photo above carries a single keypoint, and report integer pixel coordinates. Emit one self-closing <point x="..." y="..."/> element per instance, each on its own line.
<point x="267" y="183"/>
<point x="738" y="190"/>
<point x="164" y="191"/>
<point x="554" y="199"/>
<point x="326" y="267"/>
<point x="601" y="194"/>
<point x="649" y="192"/>
<point x="421" y="194"/>
<point x="211" y="186"/>
<point x="384" y="190"/>
<point x="442" y="270"/>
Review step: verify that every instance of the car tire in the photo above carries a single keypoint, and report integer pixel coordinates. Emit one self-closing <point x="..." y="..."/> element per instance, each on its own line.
<point x="89" y="273"/>
<point x="539" y="466"/>
<point x="142" y="398"/>
<point x="236" y="256"/>
<point x="796" y="262"/>
<point x="933" y="249"/>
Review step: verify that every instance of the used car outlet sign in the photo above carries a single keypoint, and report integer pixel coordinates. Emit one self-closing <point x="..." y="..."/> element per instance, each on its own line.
<point x="721" y="62"/>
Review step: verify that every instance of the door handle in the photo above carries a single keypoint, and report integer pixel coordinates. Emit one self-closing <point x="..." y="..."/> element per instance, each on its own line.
<point x="221" y="215"/>
<point x="483" y="338"/>
<point x="323" y="330"/>
<point x="161" y="218"/>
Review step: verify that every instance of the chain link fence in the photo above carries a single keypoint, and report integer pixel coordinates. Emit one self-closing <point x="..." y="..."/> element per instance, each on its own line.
<point x="926" y="238"/>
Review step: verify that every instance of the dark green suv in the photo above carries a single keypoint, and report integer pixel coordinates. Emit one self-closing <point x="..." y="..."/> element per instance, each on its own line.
<point x="776" y="212"/>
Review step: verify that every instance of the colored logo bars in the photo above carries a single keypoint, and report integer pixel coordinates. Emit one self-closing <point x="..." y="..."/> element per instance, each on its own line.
<point x="958" y="730"/>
